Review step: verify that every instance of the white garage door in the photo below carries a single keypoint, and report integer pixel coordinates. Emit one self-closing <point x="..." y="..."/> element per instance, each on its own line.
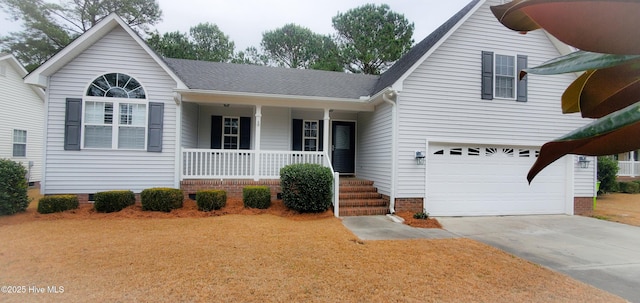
<point x="491" y="180"/>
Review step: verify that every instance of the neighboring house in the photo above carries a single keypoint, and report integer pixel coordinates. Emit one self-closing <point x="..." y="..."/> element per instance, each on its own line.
<point x="628" y="164"/>
<point x="448" y="129"/>
<point x="22" y="119"/>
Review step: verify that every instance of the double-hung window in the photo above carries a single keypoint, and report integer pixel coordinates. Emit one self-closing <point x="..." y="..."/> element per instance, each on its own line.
<point x="505" y="77"/>
<point x="231" y="132"/>
<point x="310" y="135"/>
<point x="500" y="76"/>
<point x="19" y="143"/>
<point x="115" y="113"/>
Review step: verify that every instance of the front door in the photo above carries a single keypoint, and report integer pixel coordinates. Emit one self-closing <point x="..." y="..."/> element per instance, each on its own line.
<point x="343" y="146"/>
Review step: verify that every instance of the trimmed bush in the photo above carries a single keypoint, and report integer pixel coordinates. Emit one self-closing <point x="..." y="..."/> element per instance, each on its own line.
<point x="211" y="199"/>
<point x="57" y="203"/>
<point x="306" y="187"/>
<point x="112" y="201"/>
<point x="629" y="187"/>
<point x="161" y="199"/>
<point x="607" y="171"/>
<point x="13" y="187"/>
<point x="256" y="197"/>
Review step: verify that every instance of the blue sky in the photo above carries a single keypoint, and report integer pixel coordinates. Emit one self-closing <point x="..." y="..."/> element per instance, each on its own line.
<point x="244" y="21"/>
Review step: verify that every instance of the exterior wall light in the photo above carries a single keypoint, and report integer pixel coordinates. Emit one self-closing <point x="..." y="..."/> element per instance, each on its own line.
<point x="420" y="157"/>
<point x="583" y="162"/>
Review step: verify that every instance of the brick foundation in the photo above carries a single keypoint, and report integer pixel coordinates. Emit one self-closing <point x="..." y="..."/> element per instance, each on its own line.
<point x="582" y="205"/>
<point x="413" y="205"/>
<point x="233" y="187"/>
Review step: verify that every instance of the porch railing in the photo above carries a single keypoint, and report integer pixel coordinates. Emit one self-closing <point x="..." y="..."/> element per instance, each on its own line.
<point x="243" y="164"/>
<point x="628" y="168"/>
<point x="247" y="164"/>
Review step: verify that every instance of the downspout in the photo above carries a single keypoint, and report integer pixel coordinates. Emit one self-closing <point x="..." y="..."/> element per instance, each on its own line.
<point x="392" y="195"/>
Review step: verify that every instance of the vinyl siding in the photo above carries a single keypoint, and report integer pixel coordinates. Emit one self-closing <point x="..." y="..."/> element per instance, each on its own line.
<point x="276" y="128"/>
<point x="90" y="171"/>
<point x="189" y="131"/>
<point x="373" y="152"/>
<point x="22" y="109"/>
<point x="440" y="100"/>
<point x="584" y="178"/>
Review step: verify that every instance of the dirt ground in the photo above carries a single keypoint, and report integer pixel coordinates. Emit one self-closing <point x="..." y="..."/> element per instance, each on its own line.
<point x="618" y="207"/>
<point x="254" y="256"/>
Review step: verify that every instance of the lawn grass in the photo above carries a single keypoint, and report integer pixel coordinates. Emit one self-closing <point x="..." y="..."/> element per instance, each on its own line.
<point x="261" y="258"/>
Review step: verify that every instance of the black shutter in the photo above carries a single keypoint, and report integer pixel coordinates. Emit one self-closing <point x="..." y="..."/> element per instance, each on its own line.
<point x="487" y="75"/>
<point x="245" y="132"/>
<point x="216" y="132"/>
<point x="72" y="124"/>
<point x="297" y="135"/>
<point x="156" y="119"/>
<point x="320" y="134"/>
<point x="522" y="84"/>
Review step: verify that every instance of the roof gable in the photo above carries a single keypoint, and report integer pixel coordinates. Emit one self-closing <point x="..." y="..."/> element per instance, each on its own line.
<point x="418" y="53"/>
<point x="17" y="66"/>
<point x="80" y="44"/>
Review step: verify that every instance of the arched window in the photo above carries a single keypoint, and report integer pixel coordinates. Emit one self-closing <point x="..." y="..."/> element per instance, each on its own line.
<point x="116" y="85"/>
<point x="115" y="113"/>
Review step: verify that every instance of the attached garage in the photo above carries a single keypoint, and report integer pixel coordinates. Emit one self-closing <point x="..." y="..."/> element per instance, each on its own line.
<point x="478" y="180"/>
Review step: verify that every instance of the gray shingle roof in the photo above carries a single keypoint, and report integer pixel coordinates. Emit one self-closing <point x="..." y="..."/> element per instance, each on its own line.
<point x="271" y="80"/>
<point x="401" y="66"/>
<point x="246" y="78"/>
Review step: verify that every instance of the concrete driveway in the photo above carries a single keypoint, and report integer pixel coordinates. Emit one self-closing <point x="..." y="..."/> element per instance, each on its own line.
<point x="601" y="253"/>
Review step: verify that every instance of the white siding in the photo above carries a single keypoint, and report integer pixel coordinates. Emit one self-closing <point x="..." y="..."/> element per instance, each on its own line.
<point x="89" y="171"/>
<point x="189" y="130"/>
<point x="441" y="100"/>
<point x="584" y="178"/>
<point x="276" y="128"/>
<point x="22" y="109"/>
<point x="373" y="152"/>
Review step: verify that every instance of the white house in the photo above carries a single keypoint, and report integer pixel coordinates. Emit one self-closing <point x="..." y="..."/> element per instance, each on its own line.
<point x="22" y="121"/>
<point x="448" y="129"/>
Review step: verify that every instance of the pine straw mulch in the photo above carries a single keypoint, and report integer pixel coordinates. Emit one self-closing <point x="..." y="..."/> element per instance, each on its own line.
<point x="618" y="207"/>
<point x="270" y="255"/>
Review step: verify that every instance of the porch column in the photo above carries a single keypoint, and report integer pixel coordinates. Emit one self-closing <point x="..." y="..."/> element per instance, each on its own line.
<point x="325" y="129"/>
<point x="256" y="145"/>
<point x="632" y="160"/>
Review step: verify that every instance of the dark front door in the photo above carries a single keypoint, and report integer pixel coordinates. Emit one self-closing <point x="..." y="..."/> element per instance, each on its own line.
<point x="343" y="146"/>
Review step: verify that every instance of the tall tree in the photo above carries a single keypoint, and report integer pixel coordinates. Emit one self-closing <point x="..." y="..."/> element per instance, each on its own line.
<point x="211" y="44"/>
<point x="295" y="46"/>
<point x="372" y="37"/>
<point x="205" y="42"/>
<point x="49" y="27"/>
<point x="250" y="55"/>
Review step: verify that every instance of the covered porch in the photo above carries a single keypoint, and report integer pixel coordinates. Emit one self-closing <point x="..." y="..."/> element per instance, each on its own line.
<point x="628" y="164"/>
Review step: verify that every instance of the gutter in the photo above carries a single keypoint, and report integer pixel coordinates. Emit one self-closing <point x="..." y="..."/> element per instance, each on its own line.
<point x="386" y="97"/>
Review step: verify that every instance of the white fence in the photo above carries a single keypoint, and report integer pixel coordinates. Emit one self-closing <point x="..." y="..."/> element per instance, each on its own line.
<point x="243" y="164"/>
<point x="628" y="168"/>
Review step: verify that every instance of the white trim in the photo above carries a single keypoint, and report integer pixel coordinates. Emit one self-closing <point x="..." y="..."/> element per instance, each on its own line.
<point x="45" y="144"/>
<point x="115" y="122"/>
<point x="569" y="182"/>
<point x="230" y="135"/>
<point x="22" y="72"/>
<point x="515" y="75"/>
<point x="305" y="137"/>
<point x="398" y="84"/>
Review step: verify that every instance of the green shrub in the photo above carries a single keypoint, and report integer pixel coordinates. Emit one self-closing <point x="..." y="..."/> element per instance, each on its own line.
<point x="421" y="216"/>
<point x="211" y="199"/>
<point x="112" y="201"/>
<point x="161" y="199"/>
<point x="13" y="187"/>
<point x="57" y="203"/>
<point x="629" y="187"/>
<point x="607" y="171"/>
<point x="256" y="197"/>
<point x="306" y="187"/>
